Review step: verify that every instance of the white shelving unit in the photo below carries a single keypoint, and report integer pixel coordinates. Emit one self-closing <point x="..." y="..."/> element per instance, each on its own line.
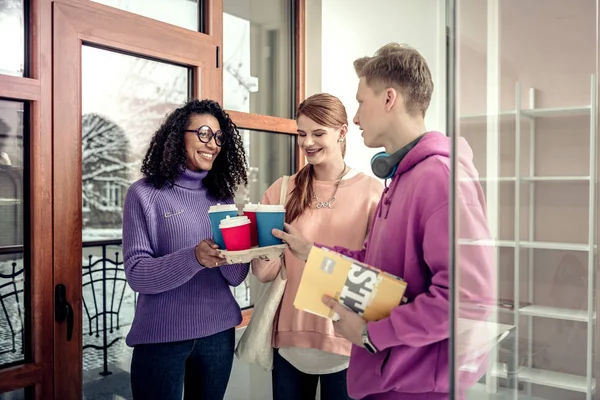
<point x="584" y="384"/>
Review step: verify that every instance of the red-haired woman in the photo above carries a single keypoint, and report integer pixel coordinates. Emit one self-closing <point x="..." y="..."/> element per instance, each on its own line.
<point x="330" y="204"/>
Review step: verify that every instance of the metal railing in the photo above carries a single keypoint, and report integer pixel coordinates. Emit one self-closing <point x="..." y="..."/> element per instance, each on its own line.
<point x="104" y="290"/>
<point x="12" y="277"/>
<point x="104" y="273"/>
<point x="108" y="303"/>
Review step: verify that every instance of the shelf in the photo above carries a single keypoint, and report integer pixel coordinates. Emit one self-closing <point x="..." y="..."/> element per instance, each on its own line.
<point x="527" y="244"/>
<point x="485" y="242"/>
<point x="556" y="179"/>
<point x="552" y="379"/>
<point x="485" y="180"/>
<point x="500" y="179"/>
<point x="575" y="111"/>
<point x="555" y="246"/>
<point x="537" y="311"/>
<point x="555" y="313"/>
<point x="474" y="117"/>
<point x="530" y="179"/>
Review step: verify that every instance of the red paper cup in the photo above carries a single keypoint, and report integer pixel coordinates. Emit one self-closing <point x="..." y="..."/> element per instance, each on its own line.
<point x="250" y="212"/>
<point x="236" y="233"/>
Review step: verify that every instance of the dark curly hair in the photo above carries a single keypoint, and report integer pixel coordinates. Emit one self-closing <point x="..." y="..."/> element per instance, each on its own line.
<point x="165" y="159"/>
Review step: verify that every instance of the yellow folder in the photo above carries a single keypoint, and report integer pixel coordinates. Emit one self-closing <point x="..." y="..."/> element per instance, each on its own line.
<point x="365" y="290"/>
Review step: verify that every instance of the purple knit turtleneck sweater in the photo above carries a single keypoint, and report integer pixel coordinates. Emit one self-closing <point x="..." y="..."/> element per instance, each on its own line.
<point x="179" y="299"/>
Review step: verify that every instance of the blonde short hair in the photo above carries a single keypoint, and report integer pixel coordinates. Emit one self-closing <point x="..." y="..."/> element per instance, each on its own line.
<point x="402" y="67"/>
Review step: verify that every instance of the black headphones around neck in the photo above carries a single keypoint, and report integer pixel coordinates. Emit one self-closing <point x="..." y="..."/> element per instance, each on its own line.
<point x="384" y="165"/>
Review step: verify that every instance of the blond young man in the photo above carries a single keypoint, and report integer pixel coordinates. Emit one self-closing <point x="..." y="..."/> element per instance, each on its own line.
<point x="405" y="356"/>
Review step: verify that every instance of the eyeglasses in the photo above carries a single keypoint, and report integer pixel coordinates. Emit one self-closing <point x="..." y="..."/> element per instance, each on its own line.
<point x="205" y="134"/>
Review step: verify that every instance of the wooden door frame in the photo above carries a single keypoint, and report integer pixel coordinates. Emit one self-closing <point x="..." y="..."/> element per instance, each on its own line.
<point x="300" y="65"/>
<point x="36" y="90"/>
<point x="78" y="22"/>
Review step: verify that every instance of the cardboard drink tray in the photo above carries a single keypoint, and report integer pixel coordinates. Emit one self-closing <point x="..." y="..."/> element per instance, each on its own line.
<point x="245" y="256"/>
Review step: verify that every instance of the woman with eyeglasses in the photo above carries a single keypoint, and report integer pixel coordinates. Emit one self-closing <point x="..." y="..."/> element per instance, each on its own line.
<point x="183" y="330"/>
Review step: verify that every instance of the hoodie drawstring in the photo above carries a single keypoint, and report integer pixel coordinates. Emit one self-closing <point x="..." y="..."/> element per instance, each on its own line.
<point x="388" y="194"/>
<point x="383" y="199"/>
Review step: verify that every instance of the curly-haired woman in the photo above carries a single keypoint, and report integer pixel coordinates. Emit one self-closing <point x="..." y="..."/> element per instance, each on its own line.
<point x="183" y="329"/>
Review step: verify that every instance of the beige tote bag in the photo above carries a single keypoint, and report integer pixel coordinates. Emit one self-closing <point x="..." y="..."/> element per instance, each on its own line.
<point x="256" y="344"/>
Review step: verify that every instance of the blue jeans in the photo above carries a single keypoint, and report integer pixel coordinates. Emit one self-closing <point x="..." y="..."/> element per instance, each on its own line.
<point x="161" y="371"/>
<point x="291" y="384"/>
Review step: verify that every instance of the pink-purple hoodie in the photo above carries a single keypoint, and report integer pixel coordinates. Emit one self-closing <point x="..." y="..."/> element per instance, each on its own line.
<point x="410" y="238"/>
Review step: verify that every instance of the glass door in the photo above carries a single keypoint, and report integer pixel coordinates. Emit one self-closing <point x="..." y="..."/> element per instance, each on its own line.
<point x="116" y="76"/>
<point x="525" y="100"/>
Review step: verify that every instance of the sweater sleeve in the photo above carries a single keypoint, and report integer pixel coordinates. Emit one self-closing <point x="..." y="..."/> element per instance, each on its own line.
<point x="146" y="273"/>
<point x="266" y="271"/>
<point x="235" y="274"/>
<point x="358" y="255"/>
<point x="426" y="319"/>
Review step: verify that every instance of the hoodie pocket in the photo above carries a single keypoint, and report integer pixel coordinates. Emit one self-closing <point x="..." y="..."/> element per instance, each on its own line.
<point x="383" y="357"/>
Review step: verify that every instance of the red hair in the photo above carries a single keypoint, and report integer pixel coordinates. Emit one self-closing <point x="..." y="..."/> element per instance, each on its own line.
<point x="325" y="110"/>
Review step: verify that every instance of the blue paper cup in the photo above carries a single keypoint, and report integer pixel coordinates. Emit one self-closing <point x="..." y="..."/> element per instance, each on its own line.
<point x="269" y="217"/>
<point x="216" y="214"/>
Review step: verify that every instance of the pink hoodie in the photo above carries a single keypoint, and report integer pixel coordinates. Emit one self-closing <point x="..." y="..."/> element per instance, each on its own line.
<point x="410" y="238"/>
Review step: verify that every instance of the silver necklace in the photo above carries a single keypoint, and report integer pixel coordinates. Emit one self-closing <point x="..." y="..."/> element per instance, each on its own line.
<point x="328" y="203"/>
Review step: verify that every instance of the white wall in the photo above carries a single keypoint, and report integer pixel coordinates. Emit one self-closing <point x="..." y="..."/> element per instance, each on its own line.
<point x="349" y="29"/>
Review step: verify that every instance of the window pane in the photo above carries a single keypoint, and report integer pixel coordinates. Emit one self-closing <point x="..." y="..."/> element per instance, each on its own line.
<point x="183" y="13"/>
<point x="257" y="57"/>
<point x="12" y="267"/>
<point x="19" y="394"/>
<point x="124" y="100"/>
<point x="12" y="25"/>
<point x="270" y="156"/>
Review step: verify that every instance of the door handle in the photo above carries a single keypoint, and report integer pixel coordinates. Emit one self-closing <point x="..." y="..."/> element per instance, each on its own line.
<point x="62" y="309"/>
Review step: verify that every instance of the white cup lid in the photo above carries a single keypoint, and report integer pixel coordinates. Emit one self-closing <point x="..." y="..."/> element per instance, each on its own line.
<point x="222" y="207"/>
<point x="251" y="207"/>
<point x="231" y="222"/>
<point x="270" y="208"/>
